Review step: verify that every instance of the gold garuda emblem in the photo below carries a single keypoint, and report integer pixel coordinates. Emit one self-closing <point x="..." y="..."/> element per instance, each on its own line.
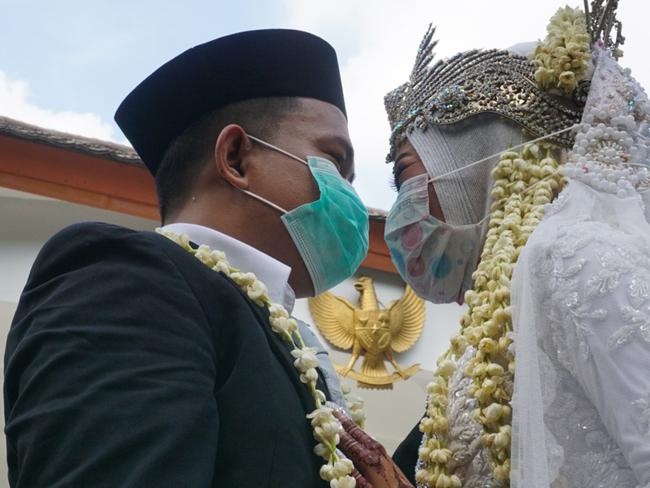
<point x="370" y="331"/>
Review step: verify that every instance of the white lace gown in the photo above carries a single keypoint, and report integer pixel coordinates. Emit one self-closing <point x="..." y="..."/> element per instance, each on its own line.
<point x="581" y="305"/>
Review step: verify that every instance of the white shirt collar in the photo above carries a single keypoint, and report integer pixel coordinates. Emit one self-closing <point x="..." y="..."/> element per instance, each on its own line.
<point x="273" y="273"/>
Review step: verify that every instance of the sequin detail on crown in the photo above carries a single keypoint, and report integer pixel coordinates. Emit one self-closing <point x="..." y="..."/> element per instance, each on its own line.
<point x="471" y="83"/>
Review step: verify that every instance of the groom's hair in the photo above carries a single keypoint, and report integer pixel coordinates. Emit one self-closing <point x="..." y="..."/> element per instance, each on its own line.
<point x="194" y="148"/>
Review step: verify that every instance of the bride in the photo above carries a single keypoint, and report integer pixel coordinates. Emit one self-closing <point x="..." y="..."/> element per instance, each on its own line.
<point x="558" y="226"/>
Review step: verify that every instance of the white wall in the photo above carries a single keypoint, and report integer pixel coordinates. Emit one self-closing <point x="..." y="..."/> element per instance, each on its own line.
<point x="7" y="310"/>
<point x="27" y="221"/>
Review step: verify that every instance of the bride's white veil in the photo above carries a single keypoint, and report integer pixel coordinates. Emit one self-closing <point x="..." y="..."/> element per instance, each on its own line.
<point x="610" y="156"/>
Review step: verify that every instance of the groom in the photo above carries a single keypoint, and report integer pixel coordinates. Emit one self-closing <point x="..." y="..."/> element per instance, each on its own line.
<point x="129" y="362"/>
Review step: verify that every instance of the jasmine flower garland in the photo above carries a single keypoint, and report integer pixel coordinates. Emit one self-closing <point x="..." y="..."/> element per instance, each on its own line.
<point x="524" y="183"/>
<point x="337" y="468"/>
<point x="562" y="60"/>
<point x="354" y="405"/>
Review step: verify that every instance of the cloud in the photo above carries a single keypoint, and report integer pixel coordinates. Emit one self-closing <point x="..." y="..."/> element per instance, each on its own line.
<point x="15" y="103"/>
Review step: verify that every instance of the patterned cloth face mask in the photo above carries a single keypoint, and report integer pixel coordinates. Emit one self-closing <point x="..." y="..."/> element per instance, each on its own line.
<point x="435" y="258"/>
<point x="331" y="233"/>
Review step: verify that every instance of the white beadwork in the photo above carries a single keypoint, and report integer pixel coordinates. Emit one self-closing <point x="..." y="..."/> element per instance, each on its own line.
<point x="577" y="295"/>
<point x="611" y="152"/>
<point x="643" y="408"/>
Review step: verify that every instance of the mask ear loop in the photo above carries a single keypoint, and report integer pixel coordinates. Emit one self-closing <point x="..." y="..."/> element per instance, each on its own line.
<point x="282" y="151"/>
<point x="483" y="220"/>
<point x="488" y="158"/>
<point x="264" y="200"/>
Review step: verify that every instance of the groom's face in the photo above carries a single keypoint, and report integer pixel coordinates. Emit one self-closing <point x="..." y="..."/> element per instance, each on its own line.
<point x="408" y="165"/>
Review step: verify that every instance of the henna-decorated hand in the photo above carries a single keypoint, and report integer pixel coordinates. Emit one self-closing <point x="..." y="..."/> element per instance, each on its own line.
<point x="375" y="467"/>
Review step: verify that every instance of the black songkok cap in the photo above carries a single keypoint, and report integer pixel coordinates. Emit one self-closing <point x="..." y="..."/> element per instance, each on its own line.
<point x="242" y="66"/>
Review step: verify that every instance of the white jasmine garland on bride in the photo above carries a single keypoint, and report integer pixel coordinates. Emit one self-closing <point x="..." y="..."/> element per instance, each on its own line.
<point x="337" y="468"/>
<point x="524" y="183"/>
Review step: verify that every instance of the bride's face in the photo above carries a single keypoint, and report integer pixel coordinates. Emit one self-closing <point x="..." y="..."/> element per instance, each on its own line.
<point x="408" y="165"/>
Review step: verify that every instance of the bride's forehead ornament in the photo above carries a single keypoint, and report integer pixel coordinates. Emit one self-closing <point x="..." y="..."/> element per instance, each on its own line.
<point x="543" y="94"/>
<point x="471" y="83"/>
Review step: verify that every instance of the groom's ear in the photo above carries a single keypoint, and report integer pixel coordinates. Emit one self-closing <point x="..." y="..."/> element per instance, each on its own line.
<point x="231" y="149"/>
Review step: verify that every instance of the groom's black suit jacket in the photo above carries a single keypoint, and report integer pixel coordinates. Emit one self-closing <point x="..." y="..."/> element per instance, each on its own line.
<point x="131" y="364"/>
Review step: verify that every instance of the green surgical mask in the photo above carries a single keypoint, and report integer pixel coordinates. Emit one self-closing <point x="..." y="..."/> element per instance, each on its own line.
<point x="331" y="233"/>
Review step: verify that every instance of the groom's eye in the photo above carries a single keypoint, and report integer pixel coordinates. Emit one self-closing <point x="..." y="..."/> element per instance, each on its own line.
<point x="340" y="161"/>
<point x="339" y="151"/>
<point x="334" y="160"/>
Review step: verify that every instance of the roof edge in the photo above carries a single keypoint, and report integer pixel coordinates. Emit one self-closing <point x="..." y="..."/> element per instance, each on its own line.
<point x="87" y="145"/>
<point x="93" y="147"/>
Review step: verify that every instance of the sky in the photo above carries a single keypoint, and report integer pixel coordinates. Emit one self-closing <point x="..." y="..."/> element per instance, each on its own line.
<point x="67" y="64"/>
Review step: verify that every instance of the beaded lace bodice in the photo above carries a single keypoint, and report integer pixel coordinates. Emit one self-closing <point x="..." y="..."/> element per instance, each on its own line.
<point x="471" y="460"/>
<point x="586" y="276"/>
<point x="589" y="288"/>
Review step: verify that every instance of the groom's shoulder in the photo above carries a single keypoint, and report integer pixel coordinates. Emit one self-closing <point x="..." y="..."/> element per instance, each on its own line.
<point x="99" y="237"/>
<point x="96" y="242"/>
<point x="101" y="246"/>
<point x="82" y="232"/>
